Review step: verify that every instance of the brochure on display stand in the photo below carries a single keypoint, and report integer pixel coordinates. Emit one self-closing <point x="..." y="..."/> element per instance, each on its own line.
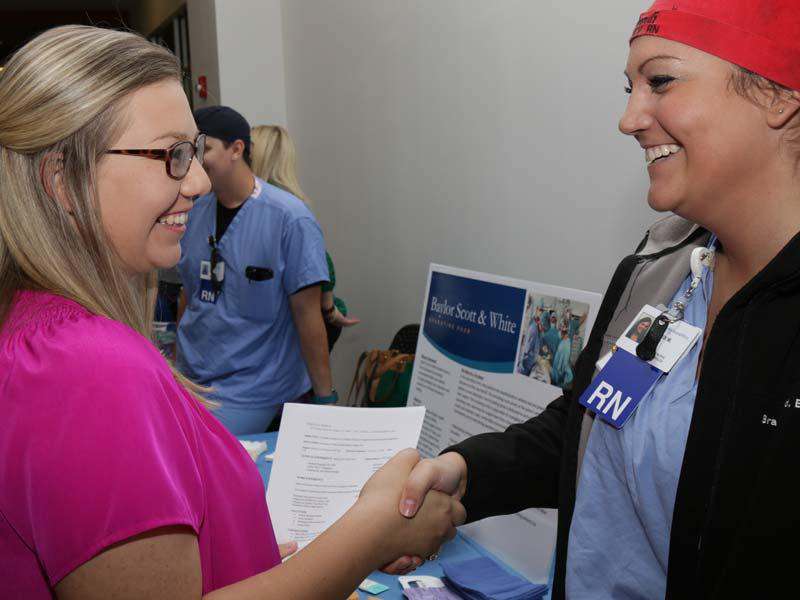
<point x="494" y="351"/>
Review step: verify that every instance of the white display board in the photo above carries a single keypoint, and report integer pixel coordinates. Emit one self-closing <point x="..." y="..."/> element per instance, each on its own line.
<point x="494" y="351"/>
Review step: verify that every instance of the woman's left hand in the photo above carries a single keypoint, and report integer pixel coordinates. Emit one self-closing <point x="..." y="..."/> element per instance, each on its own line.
<point x="339" y="320"/>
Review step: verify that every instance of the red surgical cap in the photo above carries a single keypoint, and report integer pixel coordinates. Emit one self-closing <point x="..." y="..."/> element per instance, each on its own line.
<point x="762" y="36"/>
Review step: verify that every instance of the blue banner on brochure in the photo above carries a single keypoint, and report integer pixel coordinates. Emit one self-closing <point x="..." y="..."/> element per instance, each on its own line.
<point x="474" y="323"/>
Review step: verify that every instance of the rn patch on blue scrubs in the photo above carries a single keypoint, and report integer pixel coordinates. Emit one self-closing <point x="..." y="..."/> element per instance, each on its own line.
<point x="206" y="292"/>
<point x="617" y="390"/>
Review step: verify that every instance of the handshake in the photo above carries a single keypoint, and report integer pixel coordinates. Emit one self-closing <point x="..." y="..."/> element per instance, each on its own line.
<point x="414" y="507"/>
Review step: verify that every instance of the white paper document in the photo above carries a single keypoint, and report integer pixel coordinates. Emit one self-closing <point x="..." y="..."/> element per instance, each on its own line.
<point x="324" y="456"/>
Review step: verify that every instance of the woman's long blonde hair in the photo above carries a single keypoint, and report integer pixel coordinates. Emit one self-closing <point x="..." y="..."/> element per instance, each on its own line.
<point x="62" y="98"/>
<point x="274" y="158"/>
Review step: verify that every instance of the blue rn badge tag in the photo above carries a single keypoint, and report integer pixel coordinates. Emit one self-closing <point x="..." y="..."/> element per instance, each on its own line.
<point x="617" y="390"/>
<point x="206" y="292"/>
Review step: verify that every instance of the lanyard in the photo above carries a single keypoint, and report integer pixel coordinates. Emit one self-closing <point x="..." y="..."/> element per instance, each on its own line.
<point x="216" y="284"/>
<point x="700" y="260"/>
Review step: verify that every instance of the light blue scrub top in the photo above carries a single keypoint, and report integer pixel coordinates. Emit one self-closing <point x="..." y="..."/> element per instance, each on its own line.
<point x="532" y="348"/>
<point x="619" y="538"/>
<point x="561" y="371"/>
<point x="246" y="345"/>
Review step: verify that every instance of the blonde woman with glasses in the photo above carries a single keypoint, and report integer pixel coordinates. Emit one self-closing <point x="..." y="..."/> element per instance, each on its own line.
<point x="115" y="479"/>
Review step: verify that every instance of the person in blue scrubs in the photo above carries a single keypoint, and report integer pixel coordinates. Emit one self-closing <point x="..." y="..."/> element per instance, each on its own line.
<point x="551" y="338"/>
<point x="252" y="265"/>
<point x="636" y="470"/>
<point x="545" y="320"/>
<point x="561" y="372"/>
<point x="533" y="344"/>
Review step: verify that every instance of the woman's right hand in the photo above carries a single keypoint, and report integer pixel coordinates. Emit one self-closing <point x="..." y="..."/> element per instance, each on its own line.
<point x="446" y="474"/>
<point x="436" y="516"/>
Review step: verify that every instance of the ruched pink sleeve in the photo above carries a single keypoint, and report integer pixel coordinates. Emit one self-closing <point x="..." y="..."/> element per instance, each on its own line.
<point x="96" y="450"/>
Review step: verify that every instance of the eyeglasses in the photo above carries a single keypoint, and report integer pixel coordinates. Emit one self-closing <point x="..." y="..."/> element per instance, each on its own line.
<point x="178" y="156"/>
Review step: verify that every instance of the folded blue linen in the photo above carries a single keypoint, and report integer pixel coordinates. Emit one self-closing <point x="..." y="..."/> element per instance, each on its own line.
<point x="483" y="579"/>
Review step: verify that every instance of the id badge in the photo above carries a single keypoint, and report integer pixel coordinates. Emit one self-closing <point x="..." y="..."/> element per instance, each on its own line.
<point x="678" y="338"/>
<point x="619" y="387"/>
<point x="206" y="292"/>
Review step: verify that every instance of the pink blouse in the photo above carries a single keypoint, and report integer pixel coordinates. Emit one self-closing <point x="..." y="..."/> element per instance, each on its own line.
<point x="98" y="443"/>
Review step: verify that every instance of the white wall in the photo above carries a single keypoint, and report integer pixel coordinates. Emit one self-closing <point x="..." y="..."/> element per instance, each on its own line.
<point x="471" y="133"/>
<point x="251" y="66"/>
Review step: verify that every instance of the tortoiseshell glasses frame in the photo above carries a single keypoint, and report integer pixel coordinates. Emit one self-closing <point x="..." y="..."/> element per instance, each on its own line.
<point x="178" y="157"/>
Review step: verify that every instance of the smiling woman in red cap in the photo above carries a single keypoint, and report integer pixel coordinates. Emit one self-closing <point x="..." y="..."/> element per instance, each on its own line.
<point x="676" y="478"/>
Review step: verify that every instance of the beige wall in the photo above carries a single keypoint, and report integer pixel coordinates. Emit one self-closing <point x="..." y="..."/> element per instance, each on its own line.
<point x="251" y="66"/>
<point x="473" y="133"/>
<point x="238" y="46"/>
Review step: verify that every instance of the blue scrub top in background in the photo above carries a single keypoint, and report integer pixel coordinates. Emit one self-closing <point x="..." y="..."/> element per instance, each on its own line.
<point x="246" y="345"/>
<point x="619" y="537"/>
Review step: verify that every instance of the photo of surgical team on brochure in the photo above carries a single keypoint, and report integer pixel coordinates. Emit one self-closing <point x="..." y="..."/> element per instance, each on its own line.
<point x="553" y="330"/>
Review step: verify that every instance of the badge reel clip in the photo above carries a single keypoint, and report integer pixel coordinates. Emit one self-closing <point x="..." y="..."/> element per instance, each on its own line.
<point x="626" y="377"/>
<point x="646" y="350"/>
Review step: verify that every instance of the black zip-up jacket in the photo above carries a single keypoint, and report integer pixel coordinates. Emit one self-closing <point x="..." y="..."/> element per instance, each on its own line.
<point x="736" y="520"/>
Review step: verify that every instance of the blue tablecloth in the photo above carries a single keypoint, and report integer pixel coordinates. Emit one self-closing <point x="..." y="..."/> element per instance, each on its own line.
<point x="460" y="548"/>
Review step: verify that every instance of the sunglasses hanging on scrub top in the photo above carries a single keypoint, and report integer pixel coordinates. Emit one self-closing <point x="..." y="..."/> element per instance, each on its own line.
<point x="216" y="284"/>
<point x="177" y="157"/>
